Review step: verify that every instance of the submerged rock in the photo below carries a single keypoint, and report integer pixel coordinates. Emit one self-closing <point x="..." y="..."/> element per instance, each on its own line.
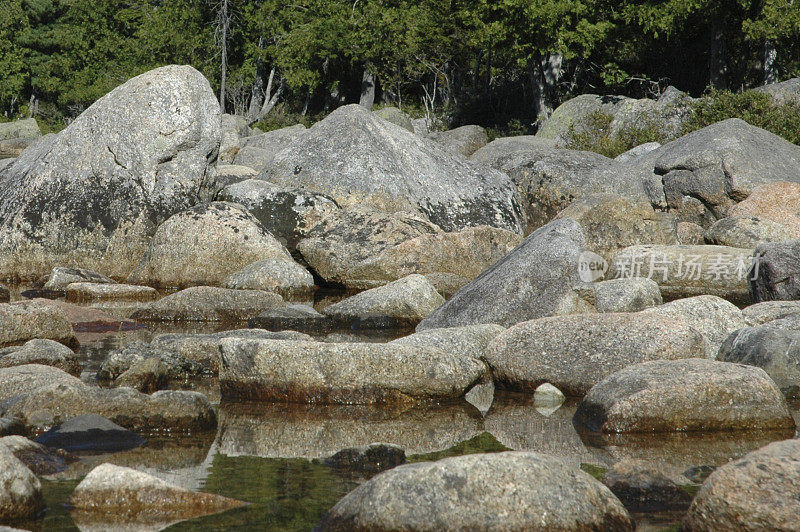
<point x="471" y="493"/>
<point x="274" y="370"/>
<point x="93" y="292"/>
<point x="204" y="245"/>
<point x="90" y="432"/>
<point x="118" y="495"/>
<point x="402" y="303"/>
<point x="207" y="303"/>
<point x="756" y="492"/>
<point x="44" y="352"/>
<point x="36" y="457"/>
<point x="641" y="488"/>
<point x="368" y="459"/>
<point x="684" y="395"/>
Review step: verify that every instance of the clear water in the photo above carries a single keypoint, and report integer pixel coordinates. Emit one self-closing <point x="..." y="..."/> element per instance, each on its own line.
<point x="270" y="455"/>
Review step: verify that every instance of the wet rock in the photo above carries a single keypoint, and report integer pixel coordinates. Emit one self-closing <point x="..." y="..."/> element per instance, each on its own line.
<point x="464" y="254"/>
<point x="281" y="430"/>
<point x="536" y="279"/>
<point x="204" y="245"/>
<point x="287" y="213"/>
<point x="684" y="395"/>
<point x="92" y="292"/>
<point x="402" y="303"/>
<point x="88" y="319"/>
<point x="368" y="459"/>
<point x="777" y="276"/>
<point x="638" y="151"/>
<point x="747" y="232"/>
<point x="501" y="149"/>
<point x="147" y="376"/>
<point x="353" y="157"/>
<point x="396" y="117"/>
<point x="259" y="150"/>
<point x="686" y="271"/>
<point x="92" y="195"/>
<point x="547" y="395"/>
<point x="286" y="278"/>
<point x="690" y="234"/>
<point x="11" y="426"/>
<point x="44" y="352"/>
<point x="711" y="316"/>
<point x="62" y="276"/>
<point x="626" y="295"/>
<point x="207" y="303"/>
<point x="756" y="492"/>
<point x="612" y="222"/>
<point x="575" y="352"/>
<point x="26" y="320"/>
<point x="5" y="294"/>
<point x="464" y="140"/>
<point x="113" y="494"/>
<point x="345" y="238"/>
<point x="774" y="347"/>
<point x="274" y="370"/>
<point x="297" y="316"/>
<point x="470" y="340"/>
<point x="90" y="432"/>
<point x="767" y="311"/>
<point x="470" y="492"/>
<point x="641" y="488"/>
<point x="36" y="457"/>
<point x="176" y="367"/>
<point x="45" y="396"/>
<point x="204" y="348"/>
<point x="20" y="490"/>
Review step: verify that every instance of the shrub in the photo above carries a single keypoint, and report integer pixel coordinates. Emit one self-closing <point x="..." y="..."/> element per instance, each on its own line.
<point x="594" y="133"/>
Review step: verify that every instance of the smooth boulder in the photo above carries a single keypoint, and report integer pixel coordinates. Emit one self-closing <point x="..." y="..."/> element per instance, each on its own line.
<point x="208" y="303"/>
<point x="27" y="320"/>
<point x="355" y="157"/>
<point x="44" y="352"/>
<point x="286" y="278"/>
<point x="318" y="372"/>
<point x="62" y="276"/>
<point x="204" y="245"/>
<point x="684" y="395"/>
<point x="534" y="280"/>
<point x="464" y="140"/>
<point x="472" y="493"/>
<point x="20" y="490"/>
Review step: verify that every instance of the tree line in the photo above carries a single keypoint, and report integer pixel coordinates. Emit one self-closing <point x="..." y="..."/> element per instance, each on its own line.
<point x="481" y="61"/>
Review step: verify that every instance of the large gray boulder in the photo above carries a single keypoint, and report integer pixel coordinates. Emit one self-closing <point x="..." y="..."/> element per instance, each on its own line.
<point x="258" y="151"/>
<point x="613" y="222"/>
<point x="357" y="158"/>
<point x="111" y="496"/>
<point x="275" y="370"/>
<point x="204" y="246"/>
<point x="284" y="277"/>
<point x="44" y="352"/>
<point x="20" y="129"/>
<point x="626" y="295"/>
<point x="783" y="92"/>
<point x="534" y="280"/>
<point x="684" y="395"/>
<point x="574" y="112"/>
<point x="686" y="271"/>
<point x="747" y="232"/>
<point x="404" y="302"/>
<point x="501" y="149"/>
<point x="464" y="140"/>
<point x="774" y="347"/>
<point x="92" y="195"/>
<point x="27" y="320"/>
<point x="472" y="493"/>
<point x="471" y="340"/>
<point x="208" y="303"/>
<point x="776" y="272"/>
<point x="576" y="352"/>
<point x="288" y="214"/>
<point x="549" y="181"/>
<point x="20" y="490"/>
<point x="396" y="117"/>
<point x="767" y="311"/>
<point x="759" y="491"/>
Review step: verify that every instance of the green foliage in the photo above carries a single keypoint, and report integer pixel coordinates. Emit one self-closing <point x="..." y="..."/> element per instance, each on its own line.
<point x="594" y="133"/>
<point x="753" y="107"/>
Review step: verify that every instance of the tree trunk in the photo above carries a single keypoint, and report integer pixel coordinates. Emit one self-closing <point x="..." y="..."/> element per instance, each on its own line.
<point x="224" y="21"/>
<point x="545" y="72"/>
<point x="257" y="92"/>
<point x="770" y="63"/>
<point x="718" y="63"/>
<point x="269" y="99"/>
<point x="367" y="89"/>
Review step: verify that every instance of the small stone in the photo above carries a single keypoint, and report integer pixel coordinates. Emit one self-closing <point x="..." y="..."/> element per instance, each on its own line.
<point x="90" y="432"/>
<point x="547" y="395"/>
